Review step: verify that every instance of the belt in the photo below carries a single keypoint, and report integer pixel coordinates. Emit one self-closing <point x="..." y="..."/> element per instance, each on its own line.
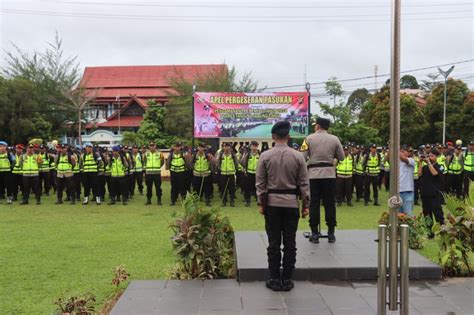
<point x="320" y="165"/>
<point x="283" y="191"/>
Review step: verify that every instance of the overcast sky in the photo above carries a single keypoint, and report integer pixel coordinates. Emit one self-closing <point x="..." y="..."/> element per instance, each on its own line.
<point x="275" y="40"/>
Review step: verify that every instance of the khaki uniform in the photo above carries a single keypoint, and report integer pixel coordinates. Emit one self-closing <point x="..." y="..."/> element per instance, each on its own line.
<point x="282" y="176"/>
<point x="320" y="149"/>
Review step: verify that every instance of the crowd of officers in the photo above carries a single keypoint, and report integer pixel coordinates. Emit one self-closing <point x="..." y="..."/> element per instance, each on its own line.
<point x="94" y="172"/>
<point x="367" y="170"/>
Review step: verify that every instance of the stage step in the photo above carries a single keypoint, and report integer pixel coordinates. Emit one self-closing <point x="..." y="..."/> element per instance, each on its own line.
<point x="352" y="257"/>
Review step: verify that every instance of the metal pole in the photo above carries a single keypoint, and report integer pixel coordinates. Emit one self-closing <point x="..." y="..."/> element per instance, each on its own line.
<point x="444" y="109"/>
<point x="308" y="89"/>
<point x="404" y="269"/>
<point x="194" y="121"/>
<point x="382" y="271"/>
<point x="394" y="151"/>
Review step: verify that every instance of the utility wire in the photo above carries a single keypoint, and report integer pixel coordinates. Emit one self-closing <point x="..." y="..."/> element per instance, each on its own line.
<point x="245" y="19"/>
<point x="368" y="77"/>
<point x="261" y="5"/>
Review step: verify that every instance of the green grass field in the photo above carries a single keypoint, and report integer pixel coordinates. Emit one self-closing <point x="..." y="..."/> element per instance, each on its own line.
<point x="48" y="249"/>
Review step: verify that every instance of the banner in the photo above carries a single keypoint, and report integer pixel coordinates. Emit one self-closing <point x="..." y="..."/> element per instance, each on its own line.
<point x="249" y="115"/>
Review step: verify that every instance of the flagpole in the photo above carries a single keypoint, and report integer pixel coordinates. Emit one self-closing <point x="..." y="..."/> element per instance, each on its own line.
<point x="119" y="111"/>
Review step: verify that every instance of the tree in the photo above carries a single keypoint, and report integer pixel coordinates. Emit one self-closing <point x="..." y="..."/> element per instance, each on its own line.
<point x="334" y="89"/>
<point x="376" y="114"/>
<point x="179" y="118"/>
<point x="51" y="73"/>
<point x="459" y="113"/>
<point x="357" y="99"/>
<point x="409" y="82"/>
<point x="152" y="127"/>
<point x="78" y="99"/>
<point x="406" y="82"/>
<point x="20" y="118"/>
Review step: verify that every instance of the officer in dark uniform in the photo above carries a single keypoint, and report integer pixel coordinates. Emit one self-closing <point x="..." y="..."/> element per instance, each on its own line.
<point x="281" y="178"/>
<point x="320" y="149"/>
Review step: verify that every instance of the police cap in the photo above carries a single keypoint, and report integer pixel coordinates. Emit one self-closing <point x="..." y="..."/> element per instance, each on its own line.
<point x="254" y="143"/>
<point x="281" y="128"/>
<point x="471" y="142"/>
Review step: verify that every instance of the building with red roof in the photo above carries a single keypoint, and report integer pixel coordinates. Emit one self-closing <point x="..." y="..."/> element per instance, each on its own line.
<point x="130" y="88"/>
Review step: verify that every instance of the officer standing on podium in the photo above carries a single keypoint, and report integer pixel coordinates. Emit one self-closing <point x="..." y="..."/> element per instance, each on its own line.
<point x="320" y="149"/>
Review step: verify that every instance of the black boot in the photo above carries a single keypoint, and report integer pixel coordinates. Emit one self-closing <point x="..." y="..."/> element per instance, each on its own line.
<point x="111" y="202"/>
<point x="273" y="284"/>
<point x="24" y="202"/>
<point x="158" y="202"/>
<point x="208" y="203"/>
<point x="247" y="203"/>
<point x="331" y="236"/>
<point x="148" y="201"/>
<point x="58" y="202"/>
<point x="376" y="202"/>
<point x="349" y="203"/>
<point x="38" y="202"/>
<point x="287" y="285"/>
<point x="124" y="202"/>
<point x="73" y="201"/>
<point x="314" y="238"/>
<point x="366" y="203"/>
<point x="232" y="204"/>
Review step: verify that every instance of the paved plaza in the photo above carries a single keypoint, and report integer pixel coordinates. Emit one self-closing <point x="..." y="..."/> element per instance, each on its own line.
<point x="229" y="297"/>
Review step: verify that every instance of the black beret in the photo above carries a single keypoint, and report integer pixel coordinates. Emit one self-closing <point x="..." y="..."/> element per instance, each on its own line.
<point x="226" y="144"/>
<point x="323" y="122"/>
<point x="254" y="143"/>
<point x="281" y="128"/>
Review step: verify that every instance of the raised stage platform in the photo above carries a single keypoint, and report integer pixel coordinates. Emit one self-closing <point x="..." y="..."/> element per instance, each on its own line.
<point x="352" y="257"/>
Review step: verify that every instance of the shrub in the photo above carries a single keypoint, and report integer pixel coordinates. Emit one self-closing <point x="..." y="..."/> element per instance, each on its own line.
<point x="76" y="305"/>
<point x="455" y="238"/>
<point x="416" y="228"/>
<point x="120" y="275"/>
<point x="202" y="242"/>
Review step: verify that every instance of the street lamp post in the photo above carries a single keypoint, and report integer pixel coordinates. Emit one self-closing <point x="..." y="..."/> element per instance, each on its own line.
<point x="445" y="74"/>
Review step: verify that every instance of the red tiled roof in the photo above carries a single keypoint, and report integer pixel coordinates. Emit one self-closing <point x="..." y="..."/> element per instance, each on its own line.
<point x="126" y="121"/>
<point x="143" y="76"/>
<point x="126" y="92"/>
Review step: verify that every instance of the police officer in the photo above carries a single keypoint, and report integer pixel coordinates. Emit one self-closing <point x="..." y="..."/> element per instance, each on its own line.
<point x="202" y="167"/>
<point x="153" y="161"/>
<point x="344" y="171"/>
<point x="30" y="164"/>
<point x="65" y="162"/>
<point x="17" y="173"/>
<point x="227" y="165"/>
<point x="7" y="161"/>
<point x="281" y="178"/>
<point x="359" y="172"/>
<point x="91" y="163"/>
<point x="468" y="174"/>
<point x="137" y="160"/>
<point x="101" y="180"/>
<point x="44" y="172"/>
<point x="130" y="171"/>
<point x="76" y="170"/>
<point x="320" y="149"/>
<point x="372" y="162"/>
<point x="118" y="180"/>
<point x="249" y="163"/>
<point x="177" y="165"/>
<point x="455" y="163"/>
